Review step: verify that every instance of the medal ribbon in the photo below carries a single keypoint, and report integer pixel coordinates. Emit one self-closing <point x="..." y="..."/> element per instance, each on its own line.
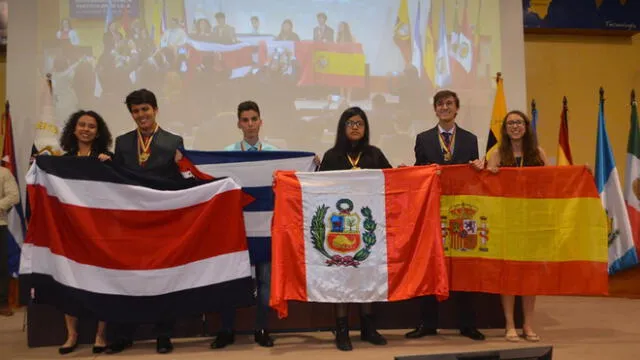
<point x="448" y="150"/>
<point x="354" y="163"/>
<point x="143" y="146"/>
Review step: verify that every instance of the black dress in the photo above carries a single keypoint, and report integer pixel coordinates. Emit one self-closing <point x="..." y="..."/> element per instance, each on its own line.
<point x="371" y="158"/>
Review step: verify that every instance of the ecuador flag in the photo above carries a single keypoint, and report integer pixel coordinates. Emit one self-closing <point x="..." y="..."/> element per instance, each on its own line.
<point x="531" y="231"/>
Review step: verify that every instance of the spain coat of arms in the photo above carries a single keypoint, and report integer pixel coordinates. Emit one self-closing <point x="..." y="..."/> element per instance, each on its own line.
<point x="345" y="236"/>
<point x="462" y="231"/>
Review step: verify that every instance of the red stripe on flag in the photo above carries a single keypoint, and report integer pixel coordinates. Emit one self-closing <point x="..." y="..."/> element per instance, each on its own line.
<point x="576" y="182"/>
<point x="137" y="240"/>
<point x="288" y="277"/>
<point x="414" y="238"/>
<point x="552" y="278"/>
<point x="634" y="220"/>
<point x="563" y="138"/>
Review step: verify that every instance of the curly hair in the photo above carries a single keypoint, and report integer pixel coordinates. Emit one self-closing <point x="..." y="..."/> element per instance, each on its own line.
<point x="530" y="152"/>
<point x="100" y="145"/>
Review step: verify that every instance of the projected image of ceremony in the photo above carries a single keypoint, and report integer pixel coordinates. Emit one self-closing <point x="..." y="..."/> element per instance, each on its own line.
<point x="304" y="62"/>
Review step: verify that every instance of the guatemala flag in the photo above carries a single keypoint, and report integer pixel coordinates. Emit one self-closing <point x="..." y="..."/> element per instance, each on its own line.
<point x="622" y="251"/>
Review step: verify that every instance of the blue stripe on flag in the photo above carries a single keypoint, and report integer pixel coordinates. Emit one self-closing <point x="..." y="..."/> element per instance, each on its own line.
<point x="264" y="198"/>
<point x="227" y="157"/>
<point x="605" y="162"/>
<point x="629" y="259"/>
<point x="254" y="172"/>
<point x="259" y="249"/>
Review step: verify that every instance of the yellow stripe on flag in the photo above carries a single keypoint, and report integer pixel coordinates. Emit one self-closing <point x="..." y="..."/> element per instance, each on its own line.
<point x="328" y="62"/>
<point x="429" y="61"/>
<point x="562" y="158"/>
<point x="521" y="229"/>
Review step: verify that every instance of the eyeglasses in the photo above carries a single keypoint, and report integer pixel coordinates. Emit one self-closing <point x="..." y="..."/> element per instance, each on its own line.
<point x="355" y="124"/>
<point x="515" y="123"/>
<point x="443" y="103"/>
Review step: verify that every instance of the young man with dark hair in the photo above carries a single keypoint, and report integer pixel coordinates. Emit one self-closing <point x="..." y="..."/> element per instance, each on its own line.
<point x="322" y="32"/>
<point x="249" y="121"/>
<point x="151" y="150"/>
<point x="223" y="33"/>
<point x="447" y="144"/>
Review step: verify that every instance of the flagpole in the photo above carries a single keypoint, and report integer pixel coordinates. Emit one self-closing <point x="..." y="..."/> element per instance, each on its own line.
<point x="601" y="94"/>
<point x="50" y="83"/>
<point x="533" y="106"/>
<point x="633" y="97"/>
<point x="565" y="107"/>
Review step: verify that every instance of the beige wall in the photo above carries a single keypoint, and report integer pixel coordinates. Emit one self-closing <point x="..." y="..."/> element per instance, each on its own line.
<point x="576" y="66"/>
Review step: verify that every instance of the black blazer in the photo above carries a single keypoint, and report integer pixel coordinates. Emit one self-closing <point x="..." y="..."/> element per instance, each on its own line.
<point x="326" y="36"/>
<point x="428" y="150"/>
<point x="163" y="151"/>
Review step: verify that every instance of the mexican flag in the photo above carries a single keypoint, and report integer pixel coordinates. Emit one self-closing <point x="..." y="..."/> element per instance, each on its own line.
<point x="632" y="178"/>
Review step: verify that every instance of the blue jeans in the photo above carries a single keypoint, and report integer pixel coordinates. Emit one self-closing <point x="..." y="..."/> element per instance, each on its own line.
<point x="263" y="279"/>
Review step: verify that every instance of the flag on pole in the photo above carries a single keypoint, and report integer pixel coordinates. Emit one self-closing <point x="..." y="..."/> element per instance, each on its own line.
<point x="15" y="215"/>
<point x="564" y="149"/>
<point x="417" y="58"/>
<point x="346" y="236"/>
<point x="497" y="116"/>
<point x="632" y="178"/>
<point x="443" y="66"/>
<point x="402" y="31"/>
<point x="622" y="251"/>
<point x="429" y="56"/>
<point x="534" y="116"/>
<point x="108" y="19"/>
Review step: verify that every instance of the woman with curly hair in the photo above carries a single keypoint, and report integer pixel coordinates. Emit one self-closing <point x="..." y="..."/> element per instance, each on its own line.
<point x="85" y="134"/>
<point x="518" y="148"/>
<point x="352" y="151"/>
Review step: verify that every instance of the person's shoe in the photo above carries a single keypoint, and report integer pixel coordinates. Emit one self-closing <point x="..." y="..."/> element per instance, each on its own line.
<point x="263" y="338"/>
<point x="223" y="338"/>
<point x="98" y="349"/>
<point x="343" y="342"/>
<point x="368" y="331"/>
<point x="118" y="346"/>
<point x="164" y="345"/>
<point x="472" y="333"/>
<point x="6" y="311"/>
<point x="63" y="350"/>
<point x="421" y="331"/>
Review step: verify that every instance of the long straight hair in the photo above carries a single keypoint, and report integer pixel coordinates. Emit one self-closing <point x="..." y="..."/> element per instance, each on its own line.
<point x="530" y="151"/>
<point x="343" y="144"/>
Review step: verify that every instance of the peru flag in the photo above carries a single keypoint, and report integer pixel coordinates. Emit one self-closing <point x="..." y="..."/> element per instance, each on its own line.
<point x="122" y="247"/>
<point x="357" y="236"/>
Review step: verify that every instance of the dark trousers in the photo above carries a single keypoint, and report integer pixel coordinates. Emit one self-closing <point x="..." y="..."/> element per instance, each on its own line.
<point x="464" y="310"/>
<point x="125" y="331"/>
<point x="263" y="279"/>
<point x="4" y="266"/>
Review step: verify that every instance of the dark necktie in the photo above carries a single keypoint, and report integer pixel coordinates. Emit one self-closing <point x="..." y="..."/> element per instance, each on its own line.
<point x="447" y="139"/>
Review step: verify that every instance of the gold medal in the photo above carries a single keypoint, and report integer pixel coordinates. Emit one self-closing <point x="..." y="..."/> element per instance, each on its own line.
<point x="354" y="163"/>
<point x="143" y="146"/>
<point x="447" y="150"/>
<point x="447" y="157"/>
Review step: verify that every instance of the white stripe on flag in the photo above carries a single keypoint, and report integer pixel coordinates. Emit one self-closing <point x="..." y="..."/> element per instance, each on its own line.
<point x="613" y="202"/>
<point x="211" y="271"/>
<point x="633" y="173"/>
<point x="369" y="281"/>
<point x="260" y="223"/>
<point x="105" y="195"/>
<point x="256" y="173"/>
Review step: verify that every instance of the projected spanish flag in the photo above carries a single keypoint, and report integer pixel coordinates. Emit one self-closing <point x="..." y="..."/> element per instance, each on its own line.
<point x="531" y="231"/>
<point x="331" y="64"/>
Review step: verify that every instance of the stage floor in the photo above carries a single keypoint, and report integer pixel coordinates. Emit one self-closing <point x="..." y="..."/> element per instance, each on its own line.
<point x="578" y="327"/>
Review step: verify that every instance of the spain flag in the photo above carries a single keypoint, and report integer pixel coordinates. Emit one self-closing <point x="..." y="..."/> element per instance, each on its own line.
<point x="564" y="150"/>
<point x="331" y="64"/>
